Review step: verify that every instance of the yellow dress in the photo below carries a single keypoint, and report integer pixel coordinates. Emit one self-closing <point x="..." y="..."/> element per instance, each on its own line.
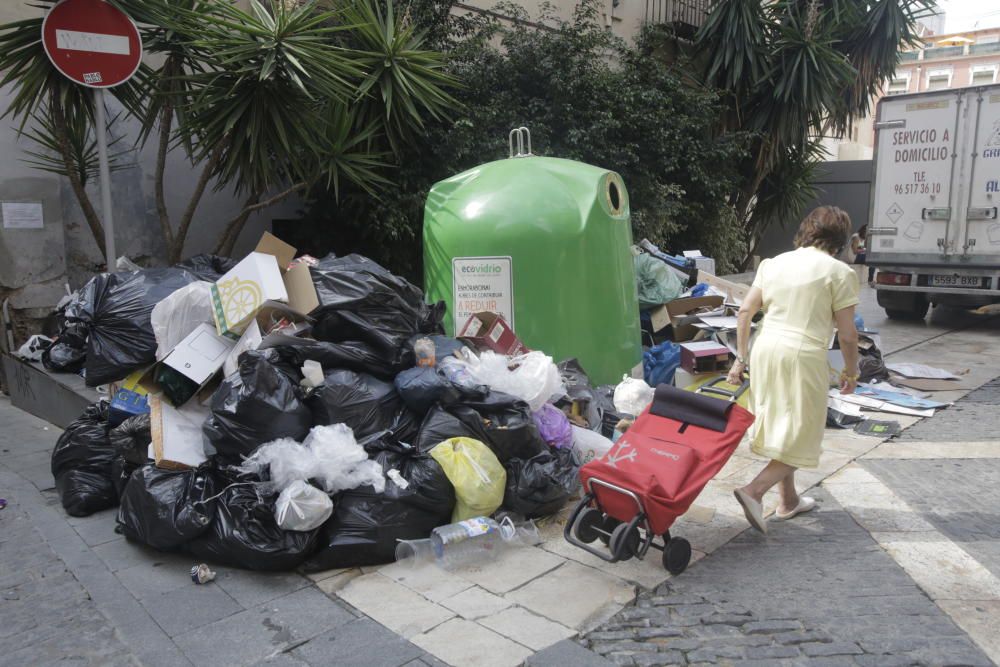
<point x="789" y="371"/>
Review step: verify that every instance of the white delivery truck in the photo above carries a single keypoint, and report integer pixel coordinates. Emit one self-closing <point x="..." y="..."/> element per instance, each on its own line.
<point x="933" y="231"/>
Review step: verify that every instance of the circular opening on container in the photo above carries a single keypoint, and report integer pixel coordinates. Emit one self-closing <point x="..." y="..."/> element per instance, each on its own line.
<point x="614" y="196"/>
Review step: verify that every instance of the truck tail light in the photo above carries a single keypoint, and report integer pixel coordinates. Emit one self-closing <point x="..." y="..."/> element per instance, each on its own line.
<point x="890" y="278"/>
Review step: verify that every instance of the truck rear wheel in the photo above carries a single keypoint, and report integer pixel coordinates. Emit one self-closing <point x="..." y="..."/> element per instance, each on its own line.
<point x="904" y="305"/>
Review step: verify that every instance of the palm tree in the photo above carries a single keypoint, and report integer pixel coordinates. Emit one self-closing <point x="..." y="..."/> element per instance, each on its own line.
<point x="269" y="101"/>
<point x="794" y="71"/>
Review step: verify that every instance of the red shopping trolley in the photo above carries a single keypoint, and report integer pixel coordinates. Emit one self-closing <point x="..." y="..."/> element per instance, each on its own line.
<point x="654" y="473"/>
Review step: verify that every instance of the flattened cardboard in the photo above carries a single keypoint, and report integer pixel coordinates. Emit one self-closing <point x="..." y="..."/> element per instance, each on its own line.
<point x="200" y="355"/>
<point x="735" y="292"/>
<point x="927" y="384"/>
<point x="176" y="434"/>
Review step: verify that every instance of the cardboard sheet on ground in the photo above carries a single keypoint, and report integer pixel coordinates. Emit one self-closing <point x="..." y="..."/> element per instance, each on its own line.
<point x="843" y="406"/>
<point x="921" y="384"/>
<point x="898" y="398"/>
<point x="921" y="371"/>
<point x="870" y="403"/>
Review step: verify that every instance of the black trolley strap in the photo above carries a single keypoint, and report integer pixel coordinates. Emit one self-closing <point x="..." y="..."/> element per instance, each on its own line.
<point x="696" y="408"/>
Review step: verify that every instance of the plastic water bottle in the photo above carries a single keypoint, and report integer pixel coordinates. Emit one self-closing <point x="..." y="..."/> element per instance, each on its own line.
<point x="466" y="542"/>
<point x="424" y="349"/>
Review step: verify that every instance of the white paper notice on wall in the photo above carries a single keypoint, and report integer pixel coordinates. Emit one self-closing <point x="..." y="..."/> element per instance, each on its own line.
<point x="22" y="215"/>
<point x="482" y="284"/>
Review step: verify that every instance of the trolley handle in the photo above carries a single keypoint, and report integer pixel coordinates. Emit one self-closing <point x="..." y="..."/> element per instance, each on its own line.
<point x="712" y="388"/>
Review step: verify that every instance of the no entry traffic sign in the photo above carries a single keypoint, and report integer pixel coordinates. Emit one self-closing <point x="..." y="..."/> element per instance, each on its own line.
<point x="92" y="42"/>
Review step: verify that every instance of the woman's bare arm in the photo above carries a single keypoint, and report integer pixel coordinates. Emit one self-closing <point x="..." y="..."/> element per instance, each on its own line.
<point x="751" y="306"/>
<point x="847" y="335"/>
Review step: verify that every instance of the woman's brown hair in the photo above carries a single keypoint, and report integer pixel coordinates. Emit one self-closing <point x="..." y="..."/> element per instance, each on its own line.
<point x="826" y="228"/>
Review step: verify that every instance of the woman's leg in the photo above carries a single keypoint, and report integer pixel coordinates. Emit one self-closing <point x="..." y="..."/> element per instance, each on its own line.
<point x="773" y="472"/>
<point x="789" y="496"/>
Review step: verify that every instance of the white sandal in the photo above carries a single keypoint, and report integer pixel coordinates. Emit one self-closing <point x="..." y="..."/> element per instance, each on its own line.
<point x="806" y="504"/>
<point x="752" y="509"/>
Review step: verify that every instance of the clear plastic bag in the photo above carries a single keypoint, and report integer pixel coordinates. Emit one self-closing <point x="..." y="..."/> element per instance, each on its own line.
<point x="532" y="377"/>
<point x="302" y="506"/>
<point x="589" y="445"/>
<point x="179" y="314"/>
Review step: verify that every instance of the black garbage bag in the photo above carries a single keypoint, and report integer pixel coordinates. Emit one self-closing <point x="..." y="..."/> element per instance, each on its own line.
<point x="244" y="533"/>
<point x="366" y="404"/>
<point x="81" y="464"/>
<point x="165" y="509"/>
<point x="580" y="392"/>
<point x="541" y="485"/>
<point x="503" y="423"/>
<point x="113" y="309"/>
<point x="69" y="351"/>
<point x="362" y="301"/>
<point x="259" y="403"/>
<point x="366" y="526"/>
<point x="208" y="267"/>
<point x="351" y="355"/>
<point x="871" y="367"/>
<point x="421" y="387"/>
<point x="131" y="439"/>
<point x="609" y="414"/>
<point x="121" y="472"/>
<point x="444" y="346"/>
<point x="837" y="419"/>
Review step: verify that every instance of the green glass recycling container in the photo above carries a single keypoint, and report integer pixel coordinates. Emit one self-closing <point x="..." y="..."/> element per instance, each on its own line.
<point x="545" y="242"/>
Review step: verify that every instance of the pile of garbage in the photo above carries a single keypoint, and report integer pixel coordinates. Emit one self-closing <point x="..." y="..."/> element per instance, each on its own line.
<point x="278" y="413"/>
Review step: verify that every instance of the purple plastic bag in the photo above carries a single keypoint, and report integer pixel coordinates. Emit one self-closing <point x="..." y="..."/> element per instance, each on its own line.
<point x="553" y="425"/>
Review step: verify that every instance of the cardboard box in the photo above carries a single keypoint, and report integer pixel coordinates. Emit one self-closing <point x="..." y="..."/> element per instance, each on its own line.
<point x="679" y="315"/>
<point x="282" y="324"/>
<point x="176" y="434"/>
<point x="126" y="403"/>
<point x="198" y="358"/>
<point x="490" y="331"/>
<point x="704" y="357"/>
<point x="266" y="274"/>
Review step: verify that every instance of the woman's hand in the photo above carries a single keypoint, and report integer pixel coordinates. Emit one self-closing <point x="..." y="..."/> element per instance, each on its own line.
<point x="848" y="383"/>
<point x="736" y="373"/>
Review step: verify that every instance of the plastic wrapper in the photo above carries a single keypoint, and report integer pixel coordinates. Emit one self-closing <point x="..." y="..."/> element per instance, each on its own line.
<point x="475" y="473"/>
<point x="114" y="310"/>
<point x="362" y="301"/>
<point x="660" y="363"/>
<point x="589" y="445"/>
<point x="180" y="313"/>
<point x="258" y="404"/>
<point x="633" y="396"/>
<point x="165" y="509"/>
<point x="502" y="422"/>
<point x="366" y="525"/>
<point x="871" y="367"/>
<point x="330" y="455"/>
<point x="580" y="399"/>
<point x="421" y="388"/>
<point x="244" y="533"/>
<point x="553" y="426"/>
<point x="301" y="506"/>
<point x="208" y="267"/>
<point x="541" y="485"/>
<point x="656" y="282"/>
<point x="69" y="351"/>
<point x="366" y="404"/>
<point x="131" y="439"/>
<point x="34" y="348"/>
<point x="82" y="461"/>
<point x="444" y="346"/>
<point x="532" y="377"/>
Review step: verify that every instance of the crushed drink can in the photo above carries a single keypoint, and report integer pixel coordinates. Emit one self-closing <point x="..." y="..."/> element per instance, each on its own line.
<point x="201" y="574"/>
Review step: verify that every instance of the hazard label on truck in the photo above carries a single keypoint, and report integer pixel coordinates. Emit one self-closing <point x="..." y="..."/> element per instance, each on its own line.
<point x="482" y="284"/>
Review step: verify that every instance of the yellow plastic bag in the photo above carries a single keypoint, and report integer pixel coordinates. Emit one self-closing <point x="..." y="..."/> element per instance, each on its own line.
<point x="476" y="474"/>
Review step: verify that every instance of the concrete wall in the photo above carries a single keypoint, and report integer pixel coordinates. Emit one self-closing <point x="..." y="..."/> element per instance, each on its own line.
<point x="846" y="184"/>
<point x="624" y="18"/>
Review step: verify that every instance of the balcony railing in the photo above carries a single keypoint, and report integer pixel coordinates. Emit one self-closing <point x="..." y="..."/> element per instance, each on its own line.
<point x="979" y="49"/>
<point x="907" y="56"/>
<point x="684" y="15"/>
<point x="944" y="52"/>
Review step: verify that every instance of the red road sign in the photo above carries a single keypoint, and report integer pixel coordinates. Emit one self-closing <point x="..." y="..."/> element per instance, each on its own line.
<point x="92" y="43"/>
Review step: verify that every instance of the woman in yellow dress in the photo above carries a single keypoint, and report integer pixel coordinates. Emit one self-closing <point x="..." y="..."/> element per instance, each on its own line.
<point x="803" y="293"/>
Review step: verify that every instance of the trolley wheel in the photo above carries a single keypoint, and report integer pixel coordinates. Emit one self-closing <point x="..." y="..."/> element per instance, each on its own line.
<point x="625" y="541"/>
<point x="676" y="555"/>
<point x="610" y="523"/>
<point x="584" y="528"/>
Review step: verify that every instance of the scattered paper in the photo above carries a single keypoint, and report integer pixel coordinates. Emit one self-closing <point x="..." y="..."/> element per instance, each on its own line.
<point x="870" y="403"/>
<point x="843" y="406"/>
<point x="719" y="322"/>
<point x="691" y="254"/>
<point x="898" y="398"/>
<point x="921" y="371"/>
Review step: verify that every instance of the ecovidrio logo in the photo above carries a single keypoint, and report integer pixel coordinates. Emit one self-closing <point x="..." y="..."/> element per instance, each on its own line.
<point x="482" y="268"/>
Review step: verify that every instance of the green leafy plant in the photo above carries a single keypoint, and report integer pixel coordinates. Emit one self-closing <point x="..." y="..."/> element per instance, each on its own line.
<point x="792" y="72"/>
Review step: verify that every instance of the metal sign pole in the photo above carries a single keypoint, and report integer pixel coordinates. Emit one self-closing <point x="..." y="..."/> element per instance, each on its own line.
<point x="101" y="131"/>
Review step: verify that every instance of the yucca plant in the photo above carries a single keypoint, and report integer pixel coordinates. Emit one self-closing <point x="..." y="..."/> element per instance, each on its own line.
<point x="269" y="101"/>
<point x="793" y="71"/>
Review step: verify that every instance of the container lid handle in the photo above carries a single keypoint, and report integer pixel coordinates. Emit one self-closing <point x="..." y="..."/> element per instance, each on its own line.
<point x="523" y="141"/>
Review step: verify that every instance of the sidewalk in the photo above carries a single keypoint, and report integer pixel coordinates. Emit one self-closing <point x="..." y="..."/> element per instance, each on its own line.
<point x="825" y="589"/>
